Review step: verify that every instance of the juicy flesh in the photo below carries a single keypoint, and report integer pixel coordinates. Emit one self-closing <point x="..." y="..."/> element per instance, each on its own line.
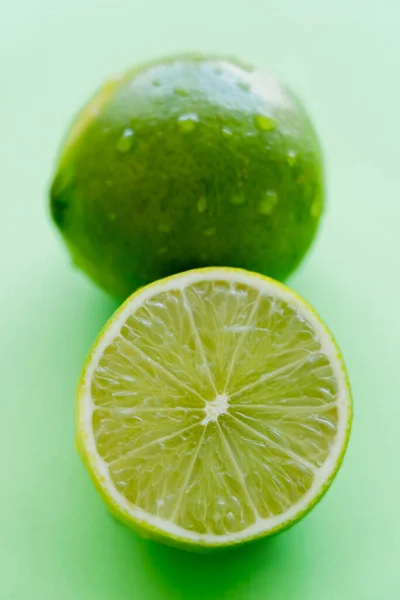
<point x="214" y="407"/>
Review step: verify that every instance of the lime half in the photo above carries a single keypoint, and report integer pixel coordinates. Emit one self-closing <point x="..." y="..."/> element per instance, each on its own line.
<point x="213" y="409"/>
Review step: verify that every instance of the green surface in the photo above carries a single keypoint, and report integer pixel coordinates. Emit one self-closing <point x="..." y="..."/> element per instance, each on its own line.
<point x="187" y="162"/>
<point x="57" y="539"/>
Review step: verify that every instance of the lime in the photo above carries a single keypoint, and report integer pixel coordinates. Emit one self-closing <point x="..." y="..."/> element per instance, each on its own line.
<point x="187" y="162"/>
<point x="214" y="409"/>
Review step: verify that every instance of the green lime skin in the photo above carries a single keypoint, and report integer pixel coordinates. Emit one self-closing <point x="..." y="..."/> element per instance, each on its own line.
<point x="186" y="162"/>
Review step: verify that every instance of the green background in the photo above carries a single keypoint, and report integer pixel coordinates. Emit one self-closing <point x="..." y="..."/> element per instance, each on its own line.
<point x="57" y="540"/>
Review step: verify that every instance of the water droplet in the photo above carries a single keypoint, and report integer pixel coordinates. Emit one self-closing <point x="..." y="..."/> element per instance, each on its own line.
<point x="268" y="203"/>
<point x="243" y="86"/>
<point x="230" y="518"/>
<point x="109" y="183"/>
<point x="237" y="199"/>
<point x="162" y="251"/>
<point x="226" y="132"/>
<point x="164" y="228"/>
<point x="291" y="157"/>
<point x="202" y="204"/>
<point x="188" y="122"/>
<point x="218" y="71"/>
<point x="125" y="142"/>
<point x="209" y="232"/>
<point x="264" y="123"/>
<point x="316" y="209"/>
<point x="181" y="92"/>
<point x="157" y="83"/>
<point x="112" y="216"/>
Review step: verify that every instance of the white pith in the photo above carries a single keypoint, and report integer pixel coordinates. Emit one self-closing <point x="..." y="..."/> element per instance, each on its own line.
<point x="216" y="408"/>
<point x="322" y="475"/>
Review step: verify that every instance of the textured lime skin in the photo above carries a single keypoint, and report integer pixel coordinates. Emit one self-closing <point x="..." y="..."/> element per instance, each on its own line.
<point x="218" y="165"/>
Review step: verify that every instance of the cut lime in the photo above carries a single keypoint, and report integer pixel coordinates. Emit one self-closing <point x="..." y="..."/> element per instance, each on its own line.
<point x="214" y="408"/>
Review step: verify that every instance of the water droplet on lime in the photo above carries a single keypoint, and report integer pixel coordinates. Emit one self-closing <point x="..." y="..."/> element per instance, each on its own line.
<point x="230" y="518"/>
<point x="226" y="131"/>
<point x="164" y="228"/>
<point x="112" y="216"/>
<point x="264" y="123"/>
<point x="181" y="92"/>
<point x="188" y="122"/>
<point x="268" y="203"/>
<point x="291" y="157"/>
<point x="125" y="142"/>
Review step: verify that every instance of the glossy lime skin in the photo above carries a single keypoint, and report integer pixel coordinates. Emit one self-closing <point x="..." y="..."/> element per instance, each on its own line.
<point x="186" y="162"/>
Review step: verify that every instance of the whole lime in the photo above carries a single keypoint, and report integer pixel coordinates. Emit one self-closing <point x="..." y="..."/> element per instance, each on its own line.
<point x="185" y="162"/>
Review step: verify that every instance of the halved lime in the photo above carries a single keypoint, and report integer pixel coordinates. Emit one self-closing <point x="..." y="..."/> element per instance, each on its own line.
<point x="213" y="409"/>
